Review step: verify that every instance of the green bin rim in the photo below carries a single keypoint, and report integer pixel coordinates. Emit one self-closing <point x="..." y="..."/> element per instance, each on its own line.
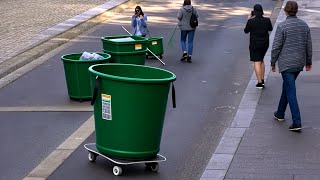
<point x="140" y="39"/>
<point x="155" y="38"/>
<point x="78" y="60"/>
<point x="127" y="79"/>
<point x="126" y="53"/>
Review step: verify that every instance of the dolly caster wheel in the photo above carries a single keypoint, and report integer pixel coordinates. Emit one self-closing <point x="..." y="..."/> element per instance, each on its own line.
<point x="117" y="170"/>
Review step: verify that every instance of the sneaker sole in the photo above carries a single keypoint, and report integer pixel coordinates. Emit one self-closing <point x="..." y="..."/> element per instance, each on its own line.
<point x="259" y="87"/>
<point x="295" y="129"/>
<point x="183" y="59"/>
<point x="278" y="119"/>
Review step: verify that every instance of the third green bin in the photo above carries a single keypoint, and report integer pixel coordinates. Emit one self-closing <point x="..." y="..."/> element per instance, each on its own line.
<point x="155" y="45"/>
<point x="129" y="109"/>
<point x="77" y="77"/>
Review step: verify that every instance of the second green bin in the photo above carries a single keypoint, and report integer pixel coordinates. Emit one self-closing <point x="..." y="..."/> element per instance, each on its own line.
<point x="77" y="76"/>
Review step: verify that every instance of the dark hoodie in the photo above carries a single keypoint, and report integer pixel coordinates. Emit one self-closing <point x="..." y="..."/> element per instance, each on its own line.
<point x="184" y="16"/>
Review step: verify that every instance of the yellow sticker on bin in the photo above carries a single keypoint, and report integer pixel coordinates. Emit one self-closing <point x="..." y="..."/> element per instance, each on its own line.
<point x="138" y="46"/>
<point x="154" y="42"/>
<point x="106" y="107"/>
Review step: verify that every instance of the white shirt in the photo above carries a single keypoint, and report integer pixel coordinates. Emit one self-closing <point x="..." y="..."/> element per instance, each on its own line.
<point x="138" y="32"/>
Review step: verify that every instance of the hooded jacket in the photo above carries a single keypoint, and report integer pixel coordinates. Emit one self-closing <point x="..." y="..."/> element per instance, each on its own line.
<point x="184" y="16"/>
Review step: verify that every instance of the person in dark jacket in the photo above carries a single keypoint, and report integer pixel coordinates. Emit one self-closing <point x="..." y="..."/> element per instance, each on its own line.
<point x="258" y="27"/>
<point x="184" y="16"/>
<point x="292" y="49"/>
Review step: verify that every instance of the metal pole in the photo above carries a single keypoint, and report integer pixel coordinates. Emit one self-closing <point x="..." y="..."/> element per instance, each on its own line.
<point x="147" y="48"/>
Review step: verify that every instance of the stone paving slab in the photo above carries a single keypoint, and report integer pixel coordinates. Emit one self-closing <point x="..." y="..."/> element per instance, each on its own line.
<point x="269" y="148"/>
<point x="21" y="20"/>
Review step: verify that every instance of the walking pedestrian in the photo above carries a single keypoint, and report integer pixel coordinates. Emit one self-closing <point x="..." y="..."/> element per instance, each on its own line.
<point x="258" y="27"/>
<point x="184" y="16"/>
<point x="292" y="49"/>
<point x="139" y="23"/>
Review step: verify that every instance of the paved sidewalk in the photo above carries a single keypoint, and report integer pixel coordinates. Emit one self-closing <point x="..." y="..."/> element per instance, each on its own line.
<point x="22" y="20"/>
<point x="258" y="147"/>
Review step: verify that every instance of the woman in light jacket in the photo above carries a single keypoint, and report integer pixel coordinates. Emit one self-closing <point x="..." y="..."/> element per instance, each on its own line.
<point x="139" y="23"/>
<point x="184" y="16"/>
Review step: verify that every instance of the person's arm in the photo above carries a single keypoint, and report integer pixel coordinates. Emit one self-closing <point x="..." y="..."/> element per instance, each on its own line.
<point x="309" y="52"/>
<point x="247" y="29"/>
<point x="277" y="47"/>
<point x="196" y="12"/>
<point x="144" y="21"/>
<point x="133" y="21"/>
<point x="179" y="15"/>
<point x="269" y="25"/>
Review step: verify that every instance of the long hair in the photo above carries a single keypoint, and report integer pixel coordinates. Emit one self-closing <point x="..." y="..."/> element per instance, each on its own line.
<point x="186" y="2"/>
<point x="141" y="12"/>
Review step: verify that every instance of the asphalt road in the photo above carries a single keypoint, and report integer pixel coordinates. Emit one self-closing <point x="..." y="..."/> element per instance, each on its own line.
<point x="208" y="93"/>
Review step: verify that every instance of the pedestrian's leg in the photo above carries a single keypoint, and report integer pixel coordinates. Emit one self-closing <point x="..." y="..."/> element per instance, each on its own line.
<point x="183" y="45"/>
<point x="257" y="70"/>
<point x="290" y="84"/>
<point x="262" y="71"/>
<point x="282" y="103"/>
<point x="190" y="44"/>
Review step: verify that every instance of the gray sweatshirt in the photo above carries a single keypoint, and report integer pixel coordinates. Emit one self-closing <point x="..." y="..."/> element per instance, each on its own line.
<point x="184" y="16"/>
<point x="292" y="46"/>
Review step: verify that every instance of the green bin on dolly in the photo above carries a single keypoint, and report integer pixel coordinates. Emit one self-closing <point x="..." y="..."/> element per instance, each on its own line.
<point x="155" y="45"/>
<point x="125" y="49"/>
<point x="77" y="76"/>
<point x="129" y="108"/>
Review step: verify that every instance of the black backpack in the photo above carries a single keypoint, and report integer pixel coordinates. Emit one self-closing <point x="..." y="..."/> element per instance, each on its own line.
<point x="193" y="20"/>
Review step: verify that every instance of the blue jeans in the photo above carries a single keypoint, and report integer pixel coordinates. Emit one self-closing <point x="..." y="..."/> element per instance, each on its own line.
<point x="289" y="96"/>
<point x="190" y="35"/>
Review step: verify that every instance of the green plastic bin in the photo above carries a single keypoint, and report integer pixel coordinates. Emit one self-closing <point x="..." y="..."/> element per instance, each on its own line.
<point x="155" y="45"/>
<point x="137" y="43"/>
<point x="77" y="77"/>
<point x="129" y="108"/>
<point x="137" y="57"/>
<point x="124" y="51"/>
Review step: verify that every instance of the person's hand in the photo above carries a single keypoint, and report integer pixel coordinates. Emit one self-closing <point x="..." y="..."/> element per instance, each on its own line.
<point x="141" y="17"/>
<point x="250" y="16"/>
<point x="273" y="68"/>
<point x="308" y="67"/>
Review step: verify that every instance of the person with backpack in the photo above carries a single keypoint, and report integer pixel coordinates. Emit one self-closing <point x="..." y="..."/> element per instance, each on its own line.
<point x="188" y="21"/>
<point x="139" y="23"/>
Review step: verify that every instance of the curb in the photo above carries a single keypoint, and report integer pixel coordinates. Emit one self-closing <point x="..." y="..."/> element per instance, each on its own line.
<point x="63" y="32"/>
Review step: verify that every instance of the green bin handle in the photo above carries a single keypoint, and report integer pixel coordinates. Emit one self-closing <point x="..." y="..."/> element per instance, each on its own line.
<point x="95" y="92"/>
<point x="96" y="88"/>
<point x="173" y="96"/>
